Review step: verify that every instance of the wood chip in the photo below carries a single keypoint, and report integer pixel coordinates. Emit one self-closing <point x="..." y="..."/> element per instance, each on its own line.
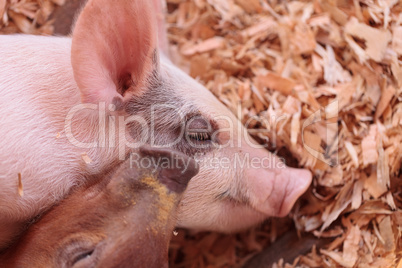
<point x="397" y="40"/>
<point x="86" y="158"/>
<point x="388" y="238"/>
<point x="20" y="186"/>
<point x="59" y="2"/>
<point x="351" y="247"/>
<point x="2" y="8"/>
<point x="352" y="152"/>
<point x="205" y="46"/>
<point x="386" y="97"/>
<point x="373" y="187"/>
<point x="275" y="82"/>
<point x="266" y="25"/>
<point x="376" y="40"/>
<point x="369" y="147"/>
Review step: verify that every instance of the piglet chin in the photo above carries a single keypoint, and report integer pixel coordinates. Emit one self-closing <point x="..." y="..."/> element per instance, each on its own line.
<point x="274" y="192"/>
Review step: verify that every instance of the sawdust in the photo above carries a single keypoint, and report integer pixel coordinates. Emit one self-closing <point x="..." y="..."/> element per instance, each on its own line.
<point x="334" y="68"/>
<point x="20" y="186"/>
<point x="27" y="16"/>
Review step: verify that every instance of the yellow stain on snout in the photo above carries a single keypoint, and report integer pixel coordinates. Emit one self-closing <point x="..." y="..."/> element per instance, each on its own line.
<point x="127" y="198"/>
<point x="165" y="204"/>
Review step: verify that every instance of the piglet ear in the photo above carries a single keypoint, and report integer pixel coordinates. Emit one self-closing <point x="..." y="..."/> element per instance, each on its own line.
<point x="113" y="49"/>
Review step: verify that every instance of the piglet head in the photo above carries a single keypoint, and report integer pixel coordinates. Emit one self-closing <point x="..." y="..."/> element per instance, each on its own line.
<point x="147" y="194"/>
<point x="125" y="219"/>
<point x="116" y="61"/>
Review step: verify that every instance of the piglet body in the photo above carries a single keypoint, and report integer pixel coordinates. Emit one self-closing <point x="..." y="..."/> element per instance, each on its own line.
<point x="73" y="109"/>
<point x="125" y="219"/>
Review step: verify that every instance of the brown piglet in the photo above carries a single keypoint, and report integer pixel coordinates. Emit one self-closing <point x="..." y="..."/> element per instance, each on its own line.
<point x="125" y="219"/>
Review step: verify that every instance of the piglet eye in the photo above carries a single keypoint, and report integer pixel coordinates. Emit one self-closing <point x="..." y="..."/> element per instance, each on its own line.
<point x="198" y="129"/>
<point x="81" y="256"/>
<point x="77" y="253"/>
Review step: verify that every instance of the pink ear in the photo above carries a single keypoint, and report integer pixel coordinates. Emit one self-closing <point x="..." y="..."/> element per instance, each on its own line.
<point x="112" y="48"/>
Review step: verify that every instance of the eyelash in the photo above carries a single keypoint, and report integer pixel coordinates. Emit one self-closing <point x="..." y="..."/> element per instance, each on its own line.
<point x="199" y="136"/>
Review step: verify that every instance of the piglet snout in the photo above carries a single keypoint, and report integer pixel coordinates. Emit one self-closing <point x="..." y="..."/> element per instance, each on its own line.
<point x="174" y="169"/>
<point x="296" y="183"/>
<point x="275" y="191"/>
